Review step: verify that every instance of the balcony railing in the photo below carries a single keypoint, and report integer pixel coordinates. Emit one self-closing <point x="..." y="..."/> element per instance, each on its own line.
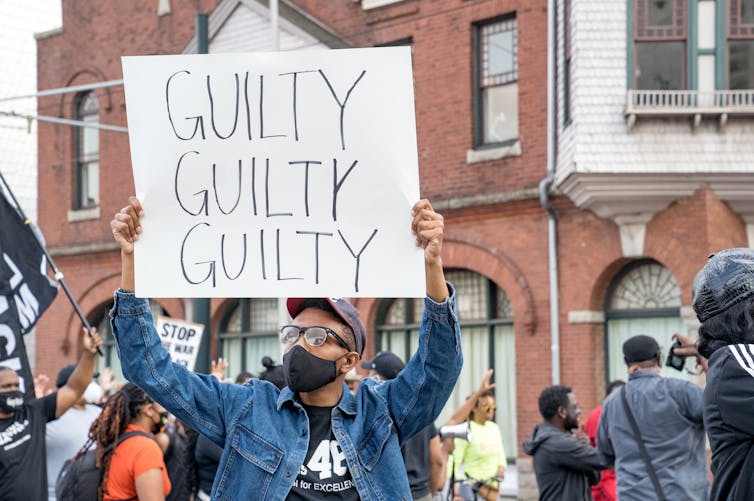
<point x="690" y="103"/>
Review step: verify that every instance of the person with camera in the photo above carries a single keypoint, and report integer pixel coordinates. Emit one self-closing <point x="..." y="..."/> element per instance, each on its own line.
<point x="652" y="430"/>
<point x="564" y="463"/>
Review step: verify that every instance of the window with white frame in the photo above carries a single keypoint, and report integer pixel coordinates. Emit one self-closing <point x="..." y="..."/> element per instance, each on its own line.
<point x="87" y="152"/>
<point x="497" y="82"/>
<point x="660" y="33"/>
<point x="487" y="339"/>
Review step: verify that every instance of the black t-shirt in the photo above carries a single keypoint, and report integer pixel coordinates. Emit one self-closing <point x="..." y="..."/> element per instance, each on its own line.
<point x="415" y="453"/>
<point x="23" y="461"/>
<point x="207" y="457"/>
<point x="324" y="474"/>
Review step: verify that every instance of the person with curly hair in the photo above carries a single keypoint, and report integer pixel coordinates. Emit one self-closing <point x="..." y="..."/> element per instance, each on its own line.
<point x="132" y="467"/>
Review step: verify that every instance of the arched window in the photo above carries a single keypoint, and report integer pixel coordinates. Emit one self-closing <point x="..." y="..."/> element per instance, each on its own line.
<point x="101" y="320"/>
<point x="643" y="299"/>
<point x="249" y="332"/>
<point x="87" y="152"/>
<point x="487" y="339"/>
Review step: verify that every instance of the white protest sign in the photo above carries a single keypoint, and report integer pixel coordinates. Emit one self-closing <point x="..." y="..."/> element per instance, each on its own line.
<point x="181" y="339"/>
<point x="275" y="174"/>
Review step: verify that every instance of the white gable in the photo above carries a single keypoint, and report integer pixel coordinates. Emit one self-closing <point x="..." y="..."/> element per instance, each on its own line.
<point x="247" y="29"/>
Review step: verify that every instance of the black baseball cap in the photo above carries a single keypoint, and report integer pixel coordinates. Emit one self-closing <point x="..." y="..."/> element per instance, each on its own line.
<point x="345" y="310"/>
<point x="65" y="373"/>
<point x="386" y="364"/>
<point x="640" y="348"/>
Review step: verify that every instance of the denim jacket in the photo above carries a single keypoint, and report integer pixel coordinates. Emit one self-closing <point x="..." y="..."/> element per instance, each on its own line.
<point x="264" y="432"/>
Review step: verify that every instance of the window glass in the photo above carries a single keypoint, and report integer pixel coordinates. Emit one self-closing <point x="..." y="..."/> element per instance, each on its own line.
<point x="660" y="65"/>
<point x="741" y="64"/>
<point x="501" y="55"/>
<point x="90" y="184"/>
<point x="660" y="13"/>
<point x="250" y="333"/>
<point x="500" y="113"/>
<point x="747" y="11"/>
<point x="87" y="152"/>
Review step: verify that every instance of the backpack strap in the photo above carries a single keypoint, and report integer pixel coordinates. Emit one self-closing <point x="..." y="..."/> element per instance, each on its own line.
<point x="126" y="436"/>
<point x="642" y="447"/>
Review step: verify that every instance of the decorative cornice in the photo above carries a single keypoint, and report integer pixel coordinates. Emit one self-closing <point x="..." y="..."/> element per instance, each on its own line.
<point x="492" y="199"/>
<point x="614" y="195"/>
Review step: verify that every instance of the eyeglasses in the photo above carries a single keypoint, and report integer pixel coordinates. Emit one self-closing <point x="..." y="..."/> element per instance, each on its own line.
<point x="314" y="336"/>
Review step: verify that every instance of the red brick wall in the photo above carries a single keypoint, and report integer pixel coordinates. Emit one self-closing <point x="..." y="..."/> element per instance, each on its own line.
<point x="93" y="38"/>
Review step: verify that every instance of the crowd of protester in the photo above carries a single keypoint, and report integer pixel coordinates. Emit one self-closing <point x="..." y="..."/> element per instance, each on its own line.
<point x="646" y="441"/>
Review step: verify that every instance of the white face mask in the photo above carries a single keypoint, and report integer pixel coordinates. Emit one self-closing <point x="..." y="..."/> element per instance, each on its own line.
<point x="93" y="393"/>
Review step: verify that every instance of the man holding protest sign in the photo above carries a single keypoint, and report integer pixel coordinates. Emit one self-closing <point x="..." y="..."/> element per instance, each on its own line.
<point x="313" y="439"/>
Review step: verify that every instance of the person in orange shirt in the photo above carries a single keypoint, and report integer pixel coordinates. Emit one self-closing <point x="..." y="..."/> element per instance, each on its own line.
<point x="605" y="490"/>
<point x="134" y="468"/>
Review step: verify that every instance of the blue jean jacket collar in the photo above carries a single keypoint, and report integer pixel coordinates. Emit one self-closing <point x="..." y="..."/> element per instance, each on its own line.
<point x="347" y="403"/>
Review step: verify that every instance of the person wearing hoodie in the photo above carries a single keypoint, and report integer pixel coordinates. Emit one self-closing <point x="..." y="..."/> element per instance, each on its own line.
<point x="565" y="466"/>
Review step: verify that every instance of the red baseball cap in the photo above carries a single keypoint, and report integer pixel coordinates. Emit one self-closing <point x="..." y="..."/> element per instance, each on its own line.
<point x="345" y="310"/>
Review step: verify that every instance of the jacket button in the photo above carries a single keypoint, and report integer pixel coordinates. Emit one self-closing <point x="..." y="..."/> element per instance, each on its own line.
<point x="287" y="473"/>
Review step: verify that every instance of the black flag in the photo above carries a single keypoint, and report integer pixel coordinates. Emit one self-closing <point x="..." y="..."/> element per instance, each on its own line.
<point x="25" y="290"/>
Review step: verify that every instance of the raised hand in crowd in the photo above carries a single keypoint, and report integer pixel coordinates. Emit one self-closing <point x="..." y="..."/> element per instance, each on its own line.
<point x="218" y="367"/>
<point x="40" y="385"/>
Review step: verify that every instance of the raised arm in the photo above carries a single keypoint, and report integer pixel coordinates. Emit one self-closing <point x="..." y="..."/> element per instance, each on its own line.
<point x="197" y="399"/>
<point x="462" y="413"/>
<point x="416" y="397"/>
<point x="126" y="228"/>
<point x="74" y="388"/>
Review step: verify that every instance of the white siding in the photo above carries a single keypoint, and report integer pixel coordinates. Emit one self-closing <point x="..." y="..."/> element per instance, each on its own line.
<point x="598" y="140"/>
<point x="248" y="30"/>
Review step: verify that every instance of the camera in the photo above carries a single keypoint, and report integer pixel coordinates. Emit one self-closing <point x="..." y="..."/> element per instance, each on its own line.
<point x="677" y="362"/>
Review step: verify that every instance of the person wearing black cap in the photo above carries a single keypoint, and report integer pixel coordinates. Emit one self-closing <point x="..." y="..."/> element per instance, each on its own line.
<point x="313" y="439"/>
<point x="66" y="435"/>
<point x="723" y="299"/>
<point x="668" y="413"/>
<point x="23" y="473"/>
<point x="422" y="453"/>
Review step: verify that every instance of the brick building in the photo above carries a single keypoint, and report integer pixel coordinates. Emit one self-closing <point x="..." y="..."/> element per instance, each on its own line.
<point x="645" y="185"/>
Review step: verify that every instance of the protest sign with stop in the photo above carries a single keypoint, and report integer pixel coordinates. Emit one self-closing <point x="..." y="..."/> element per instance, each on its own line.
<point x="181" y="339"/>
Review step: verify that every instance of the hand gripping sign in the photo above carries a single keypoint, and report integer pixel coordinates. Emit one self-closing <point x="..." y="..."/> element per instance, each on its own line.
<point x="275" y="174"/>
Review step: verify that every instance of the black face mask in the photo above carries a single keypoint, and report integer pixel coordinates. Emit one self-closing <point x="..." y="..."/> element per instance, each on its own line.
<point x="161" y="424"/>
<point x="305" y="372"/>
<point x="11" y="401"/>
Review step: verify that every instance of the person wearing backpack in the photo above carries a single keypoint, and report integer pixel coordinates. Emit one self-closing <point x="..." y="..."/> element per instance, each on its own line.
<point x="128" y="456"/>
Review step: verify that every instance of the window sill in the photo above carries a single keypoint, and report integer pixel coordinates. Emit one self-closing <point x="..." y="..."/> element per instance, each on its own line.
<point x="373" y="4"/>
<point x="74" y="216"/>
<point x="477" y="156"/>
